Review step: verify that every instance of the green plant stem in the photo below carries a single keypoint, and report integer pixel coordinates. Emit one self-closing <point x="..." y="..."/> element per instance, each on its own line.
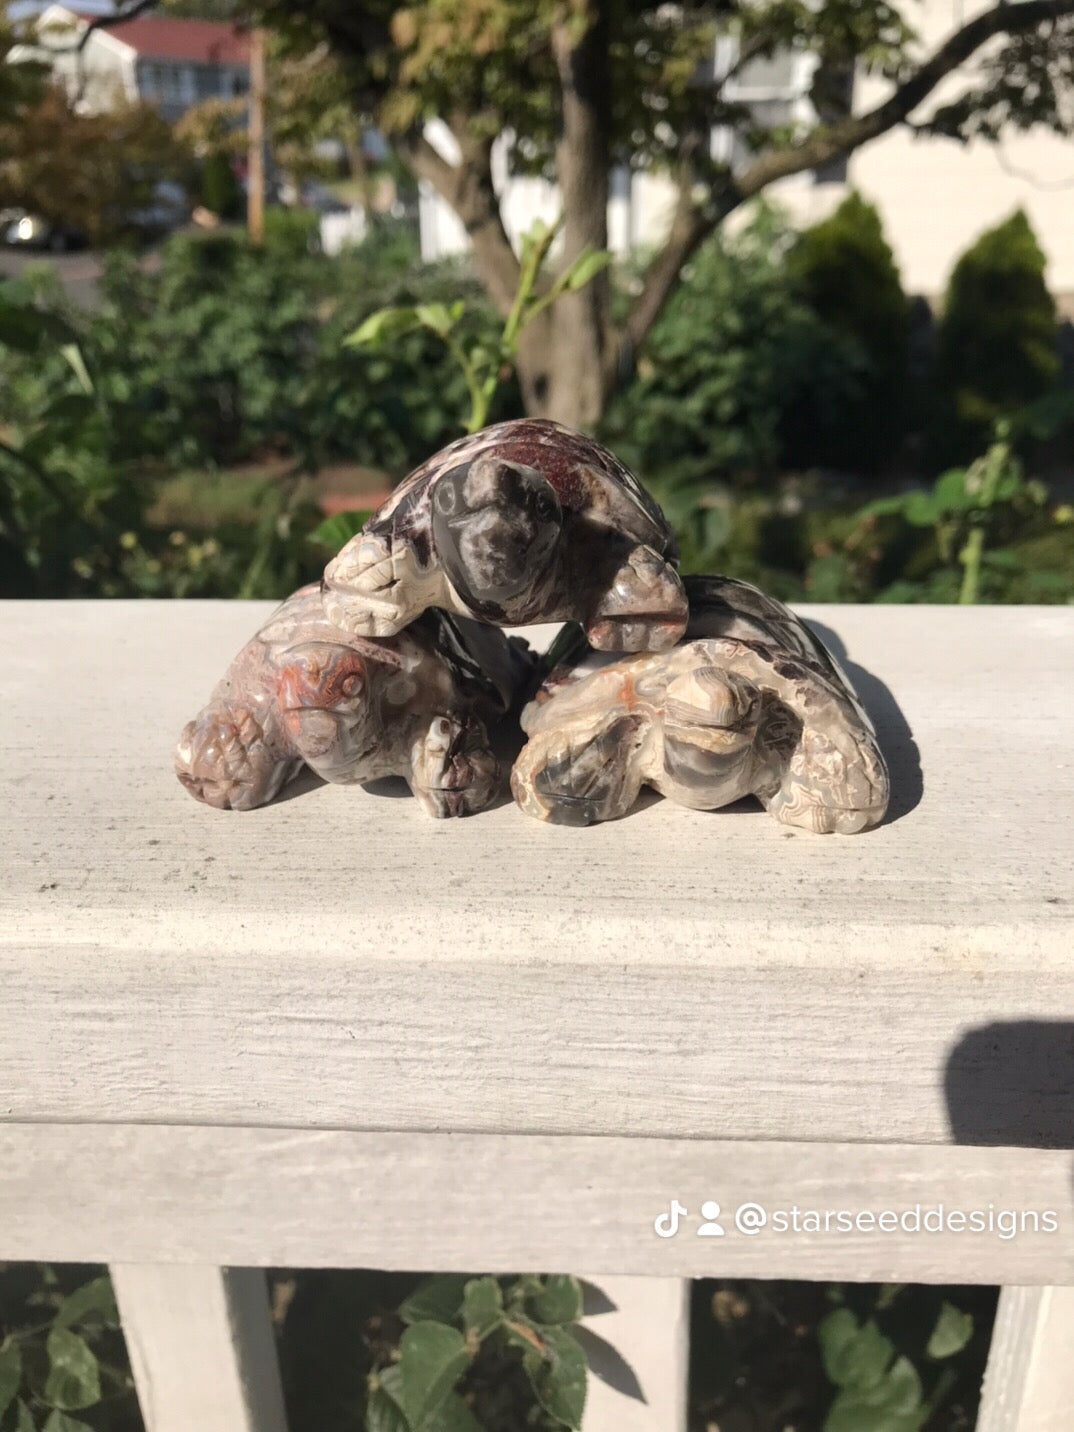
<point x="970" y="557"/>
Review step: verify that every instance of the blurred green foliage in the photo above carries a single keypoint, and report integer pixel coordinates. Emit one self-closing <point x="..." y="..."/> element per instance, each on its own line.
<point x="997" y="346"/>
<point x="225" y="356"/>
<point x="734" y="354"/>
<point x="844" y="272"/>
<point x="885" y="1357"/>
<point x="220" y="190"/>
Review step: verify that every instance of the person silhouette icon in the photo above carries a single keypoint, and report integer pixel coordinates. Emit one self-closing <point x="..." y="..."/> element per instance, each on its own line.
<point x="710" y="1211"/>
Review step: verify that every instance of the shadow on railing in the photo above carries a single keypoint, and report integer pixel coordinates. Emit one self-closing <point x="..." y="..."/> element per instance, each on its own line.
<point x="1013" y="1084"/>
<point x="892" y="728"/>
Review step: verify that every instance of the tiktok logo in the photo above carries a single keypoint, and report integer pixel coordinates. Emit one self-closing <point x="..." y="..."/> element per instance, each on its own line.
<point x="666" y="1225"/>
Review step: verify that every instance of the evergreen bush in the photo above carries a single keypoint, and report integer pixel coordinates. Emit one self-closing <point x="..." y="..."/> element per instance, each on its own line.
<point x="844" y="271"/>
<point x="997" y="347"/>
<point x="221" y="192"/>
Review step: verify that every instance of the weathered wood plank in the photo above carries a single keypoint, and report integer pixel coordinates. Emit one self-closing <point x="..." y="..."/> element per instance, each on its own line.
<point x="1029" y="1381"/>
<point x="637" y="1338"/>
<point x="201" y="1348"/>
<point x="455" y="1202"/>
<point x="338" y="961"/>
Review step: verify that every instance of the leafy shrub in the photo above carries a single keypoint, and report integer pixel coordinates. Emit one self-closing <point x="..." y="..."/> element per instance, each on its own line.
<point x="838" y="1357"/>
<point x="220" y="190"/>
<point x="234" y="351"/>
<point x="997" y="347"/>
<point x="844" y="271"/>
<point x="63" y="1363"/>
<point x="294" y="232"/>
<point x="734" y="352"/>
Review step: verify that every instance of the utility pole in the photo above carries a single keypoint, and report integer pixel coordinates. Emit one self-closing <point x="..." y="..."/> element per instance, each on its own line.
<point x="255" y="167"/>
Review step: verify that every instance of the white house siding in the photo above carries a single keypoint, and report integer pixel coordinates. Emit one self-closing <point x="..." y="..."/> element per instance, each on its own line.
<point x="935" y="195"/>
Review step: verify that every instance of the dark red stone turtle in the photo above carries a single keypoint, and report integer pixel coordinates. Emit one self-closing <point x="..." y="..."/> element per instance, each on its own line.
<point x="749" y="703"/>
<point x="418" y="705"/>
<point x="523" y="522"/>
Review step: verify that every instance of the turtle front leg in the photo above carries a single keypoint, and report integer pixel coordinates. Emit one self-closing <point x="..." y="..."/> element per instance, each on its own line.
<point x="579" y="778"/>
<point x="375" y="586"/>
<point x="453" y="770"/>
<point x="230" y="758"/>
<point x="641" y="608"/>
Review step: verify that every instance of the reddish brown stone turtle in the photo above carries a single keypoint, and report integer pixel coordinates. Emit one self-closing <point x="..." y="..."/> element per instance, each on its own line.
<point x="749" y="703"/>
<point x="418" y="705"/>
<point x="523" y="522"/>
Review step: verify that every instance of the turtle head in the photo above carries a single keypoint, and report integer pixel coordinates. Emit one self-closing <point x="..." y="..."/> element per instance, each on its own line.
<point x="495" y="526"/>
<point x="711" y="718"/>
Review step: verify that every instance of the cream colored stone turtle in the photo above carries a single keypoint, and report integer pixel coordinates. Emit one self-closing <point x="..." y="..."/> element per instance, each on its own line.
<point x="418" y="705"/>
<point x="523" y="522"/>
<point x="749" y="703"/>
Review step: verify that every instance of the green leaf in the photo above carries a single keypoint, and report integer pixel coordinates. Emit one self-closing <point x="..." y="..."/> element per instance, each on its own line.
<point x="10" y="1375"/>
<point x="438" y="1300"/>
<point x="866" y="1357"/>
<point x="383" y="326"/>
<point x="586" y="266"/>
<point x="440" y="317"/>
<point x="856" y="1358"/>
<point x="96" y="1296"/>
<point x="892" y="1405"/>
<point x="952" y="1332"/>
<point x="60" y="1422"/>
<point x="432" y="1359"/>
<point x="74" y="1378"/>
<point x="558" y="1377"/>
<point x="559" y="1301"/>
<point x="482" y="1306"/>
<point x="73" y="353"/>
<point x="336" y="531"/>
<point x="25" y="1420"/>
<point x="382" y="1412"/>
<point x="454" y="1416"/>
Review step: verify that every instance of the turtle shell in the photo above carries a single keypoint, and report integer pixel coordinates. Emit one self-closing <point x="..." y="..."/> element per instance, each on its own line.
<point x="356" y="709"/>
<point x="748" y="703"/>
<point x="523" y="522"/>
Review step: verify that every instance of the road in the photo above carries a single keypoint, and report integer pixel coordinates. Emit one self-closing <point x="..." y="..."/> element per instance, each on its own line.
<point x="78" y="272"/>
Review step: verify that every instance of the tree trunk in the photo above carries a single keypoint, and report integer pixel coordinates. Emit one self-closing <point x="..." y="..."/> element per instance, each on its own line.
<point x="579" y="332"/>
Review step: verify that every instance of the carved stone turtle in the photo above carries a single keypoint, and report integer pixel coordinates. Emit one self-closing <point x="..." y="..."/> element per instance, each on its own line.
<point x="356" y="709"/>
<point x="749" y="703"/>
<point x="523" y="522"/>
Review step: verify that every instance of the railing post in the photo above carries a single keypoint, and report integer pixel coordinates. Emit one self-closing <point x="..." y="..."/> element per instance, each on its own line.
<point x="1029" y="1380"/>
<point x="201" y="1347"/>
<point x="636" y="1336"/>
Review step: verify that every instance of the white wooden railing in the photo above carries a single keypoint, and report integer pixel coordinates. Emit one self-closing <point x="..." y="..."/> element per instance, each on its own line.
<point x="334" y="1032"/>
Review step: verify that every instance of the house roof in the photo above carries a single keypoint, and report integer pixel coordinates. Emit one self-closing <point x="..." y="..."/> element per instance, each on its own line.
<point x="160" y="37"/>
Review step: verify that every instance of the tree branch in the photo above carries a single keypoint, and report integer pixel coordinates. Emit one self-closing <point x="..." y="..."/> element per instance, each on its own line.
<point x="467" y="187"/>
<point x="835" y="141"/>
<point x="693" y="222"/>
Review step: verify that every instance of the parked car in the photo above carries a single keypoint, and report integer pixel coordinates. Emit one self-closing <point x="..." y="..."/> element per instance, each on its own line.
<point x="21" y="229"/>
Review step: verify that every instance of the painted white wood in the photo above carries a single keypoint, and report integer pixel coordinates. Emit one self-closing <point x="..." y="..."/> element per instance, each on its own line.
<point x="456" y="1202"/>
<point x="201" y="1347"/>
<point x="1029" y="1381"/>
<point x="636" y="1336"/>
<point x="338" y="961"/>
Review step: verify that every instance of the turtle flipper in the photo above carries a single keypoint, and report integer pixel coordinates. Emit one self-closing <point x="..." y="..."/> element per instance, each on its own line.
<point x="642" y="608"/>
<point x="453" y="770"/>
<point x="375" y="586"/>
<point x="226" y="758"/>
<point x="570" y="779"/>
<point x="831" y="783"/>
